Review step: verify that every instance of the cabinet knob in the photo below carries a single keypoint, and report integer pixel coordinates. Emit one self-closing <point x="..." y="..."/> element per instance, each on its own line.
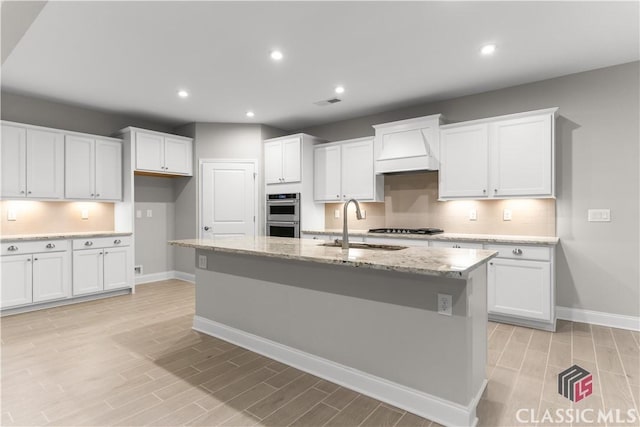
<point x="207" y="228"/>
<point x="88" y="243"/>
<point x="337" y="196"/>
<point x="517" y="251"/>
<point x="92" y="195"/>
<point x="490" y="263"/>
<point x="344" y="195"/>
<point x="12" y="248"/>
<point x="50" y="246"/>
<point x="106" y="253"/>
<point x="98" y="195"/>
<point x="35" y="259"/>
<point x="22" y="192"/>
<point x="117" y="242"/>
<point x="28" y="192"/>
<point x="28" y="259"/>
<point x="495" y="190"/>
<point x="484" y="191"/>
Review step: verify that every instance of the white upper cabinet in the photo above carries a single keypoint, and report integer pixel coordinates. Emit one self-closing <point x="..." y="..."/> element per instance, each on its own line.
<point x="164" y="154"/>
<point x="283" y="160"/>
<point x="93" y="168"/>
<point x="407" y="145"/>
<point x="500" y="157"/>
<point x="464" y="151"/>
<point x="521" y="156"/>
<point x="345" y="170"/>
<point x="32" y="163"/>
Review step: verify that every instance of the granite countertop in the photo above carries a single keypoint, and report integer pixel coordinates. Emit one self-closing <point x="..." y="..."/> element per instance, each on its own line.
<point x="443" y="262"/>
<point x="67" y="235"/>
<point x="454" y="237"/>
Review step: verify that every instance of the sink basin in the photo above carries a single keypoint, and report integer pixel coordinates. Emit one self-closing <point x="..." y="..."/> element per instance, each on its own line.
<point x="338" y="244"/>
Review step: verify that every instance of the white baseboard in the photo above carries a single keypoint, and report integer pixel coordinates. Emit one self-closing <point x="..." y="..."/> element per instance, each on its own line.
<point x="598" y="318"/>
<point x="165" y="275"/>
<point x="434" y="408"/>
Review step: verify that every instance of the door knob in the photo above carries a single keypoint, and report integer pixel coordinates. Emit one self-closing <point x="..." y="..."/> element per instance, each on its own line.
<point x="206" y="228"/>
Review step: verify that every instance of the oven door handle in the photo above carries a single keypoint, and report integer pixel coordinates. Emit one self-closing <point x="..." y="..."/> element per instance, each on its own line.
<point x="282" y="222"/>
<point x="283" y="202"/>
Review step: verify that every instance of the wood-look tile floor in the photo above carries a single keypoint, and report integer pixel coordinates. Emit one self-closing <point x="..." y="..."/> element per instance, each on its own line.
<point x="134" y="360"/>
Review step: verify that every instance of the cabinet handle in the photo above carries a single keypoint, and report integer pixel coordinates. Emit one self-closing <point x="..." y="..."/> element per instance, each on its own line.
<point x="98" y="195"/>
<point x="28" y="259"/>
<point x="456" y="246"/>
<point x="106" y="253"/>
<point x="35" y="259"/>
<point x="207" y="228"/>
<point x="99" y="253"/>
<point x="12" y="248"/>
<point x="117" y="242"/>
<point x="517" y="251"/>
<point x="88" y="243"/>
<point x="50" y="246"/>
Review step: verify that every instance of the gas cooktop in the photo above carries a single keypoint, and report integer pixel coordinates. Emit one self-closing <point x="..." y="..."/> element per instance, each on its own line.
<point x="406" y="230"/>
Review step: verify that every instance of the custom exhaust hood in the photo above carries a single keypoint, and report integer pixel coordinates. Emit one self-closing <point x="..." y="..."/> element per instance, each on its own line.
<point x="408" y="145"/>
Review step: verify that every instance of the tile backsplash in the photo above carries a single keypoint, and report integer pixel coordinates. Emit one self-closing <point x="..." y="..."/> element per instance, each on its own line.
<point x="411" y="200"/>
<point x="35" y="217"/>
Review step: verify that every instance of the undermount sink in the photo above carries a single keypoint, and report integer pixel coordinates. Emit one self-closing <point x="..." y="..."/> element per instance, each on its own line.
<point x="338" y="244"/>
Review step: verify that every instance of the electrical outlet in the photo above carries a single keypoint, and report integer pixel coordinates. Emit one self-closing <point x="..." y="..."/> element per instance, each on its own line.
<point x="137" y="269"/>
<point x="11" y="215"/>
<point x="138" y="214"/>
<point x="506" y="215"/>
<point x="473" y="215"/>
<point x="599" y="215"/>
<point x="149" y="213"/>
<point x="444" y="304"/>
<point x="202" y="261"/>
<point x="336" y="213"/>
<point x="85" y="213"/>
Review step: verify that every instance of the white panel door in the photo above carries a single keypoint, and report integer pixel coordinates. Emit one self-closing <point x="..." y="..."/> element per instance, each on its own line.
<point x="464" y="158"/>
<point x="291" y="160"/>
<point x="149" y="152"/>
<point x="116" y="268"/>
<point x="108" y="170"/>
<point x="177" y="156"/>
<point x="228" y="199"/>
<point x="14" y="161"/>
<point x="45" y="164"/>
<point x="88" y="274"/>
<point x="521" y="157"/>
<point x="519" y="288"/>
<point x="51" y="276"/>
<point x="273" y="162"/>
<point x="326" y="173"/>
<point x="79" y="173"/>
<point x="16" y="280"/>
<point x="357" y="170"/>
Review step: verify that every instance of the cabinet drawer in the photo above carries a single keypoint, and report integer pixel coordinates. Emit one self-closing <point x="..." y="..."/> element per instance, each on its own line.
<point x="29" y="247"/>
<point x="538" y="253"/>
<point x="397" y="241"/>
<point x="101" y="242"/>
<point x="449" y="244"/>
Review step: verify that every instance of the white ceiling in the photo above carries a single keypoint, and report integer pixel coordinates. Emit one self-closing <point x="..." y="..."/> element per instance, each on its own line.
<point x="134" y="56"/>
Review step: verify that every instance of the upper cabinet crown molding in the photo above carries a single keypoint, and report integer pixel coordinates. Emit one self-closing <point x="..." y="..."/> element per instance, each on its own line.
<point x="509" y="156"/>
<point x="159" y="153"/>
<point x="407" y="145"/>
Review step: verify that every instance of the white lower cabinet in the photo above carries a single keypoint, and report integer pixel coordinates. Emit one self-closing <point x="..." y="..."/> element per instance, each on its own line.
<point x="51" y="278"/>
<point x="16" y="280"/>
<point x="102" y="269"/>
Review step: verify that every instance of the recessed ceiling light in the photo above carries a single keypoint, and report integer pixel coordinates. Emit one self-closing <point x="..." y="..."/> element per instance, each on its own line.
<point x="250" y="114"/>
<point x="488" y="49"/>
<point x="339" y="89"/>
<point x="276" y="55"/>
<point x="183" y="93"/>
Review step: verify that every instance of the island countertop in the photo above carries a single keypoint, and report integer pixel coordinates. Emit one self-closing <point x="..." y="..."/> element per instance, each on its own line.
<point x="445" y="262"/>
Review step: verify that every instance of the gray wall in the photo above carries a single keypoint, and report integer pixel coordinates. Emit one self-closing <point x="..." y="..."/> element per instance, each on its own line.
<point x="597" y="167"/>
<point x="213" y="141"/>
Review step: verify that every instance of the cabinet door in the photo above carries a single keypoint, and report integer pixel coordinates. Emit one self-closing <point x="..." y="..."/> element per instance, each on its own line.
<point x="357" y="170"/>
<point x="45" y="164"/>
<point x="273" y="162"/>
<point x="88" y="272"/>
<point x="464" y="156"/>
<point x="326" y="173"/>
<point x="16" y="281"/>
<point x="519" y="288"/>
<point x="291" y="167"/>
<point x="79" y="174"/>
<point x="149" y="152"/>
<point x="108" y="176"/>
<point x="522" y="156"/>
<point x="51" y="276"/>
<point x="116" y="268"/>
<point x="14" y="162"/>
<point x="177" y="156"/>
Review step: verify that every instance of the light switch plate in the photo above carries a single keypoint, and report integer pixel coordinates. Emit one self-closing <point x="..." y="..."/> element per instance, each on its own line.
<point x="364" y="214"/>
<point x="11" y="215"/>
<point x="336" y="213"/>
<point x="202" y="261"/>
<point x="85" y="213"/>
<point x="149" y="213"/>
<point x="473" y="215"/>
<point x="138" y="214"/>
<point x="506" y="215"/>
<point x="599" y="215"/>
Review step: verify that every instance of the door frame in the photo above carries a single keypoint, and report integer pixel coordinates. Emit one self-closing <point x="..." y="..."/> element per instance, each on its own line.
<point x="256" y="191"/>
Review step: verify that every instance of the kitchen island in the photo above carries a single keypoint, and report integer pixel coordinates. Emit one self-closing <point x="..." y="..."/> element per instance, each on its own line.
<point x="365" y="318"/>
